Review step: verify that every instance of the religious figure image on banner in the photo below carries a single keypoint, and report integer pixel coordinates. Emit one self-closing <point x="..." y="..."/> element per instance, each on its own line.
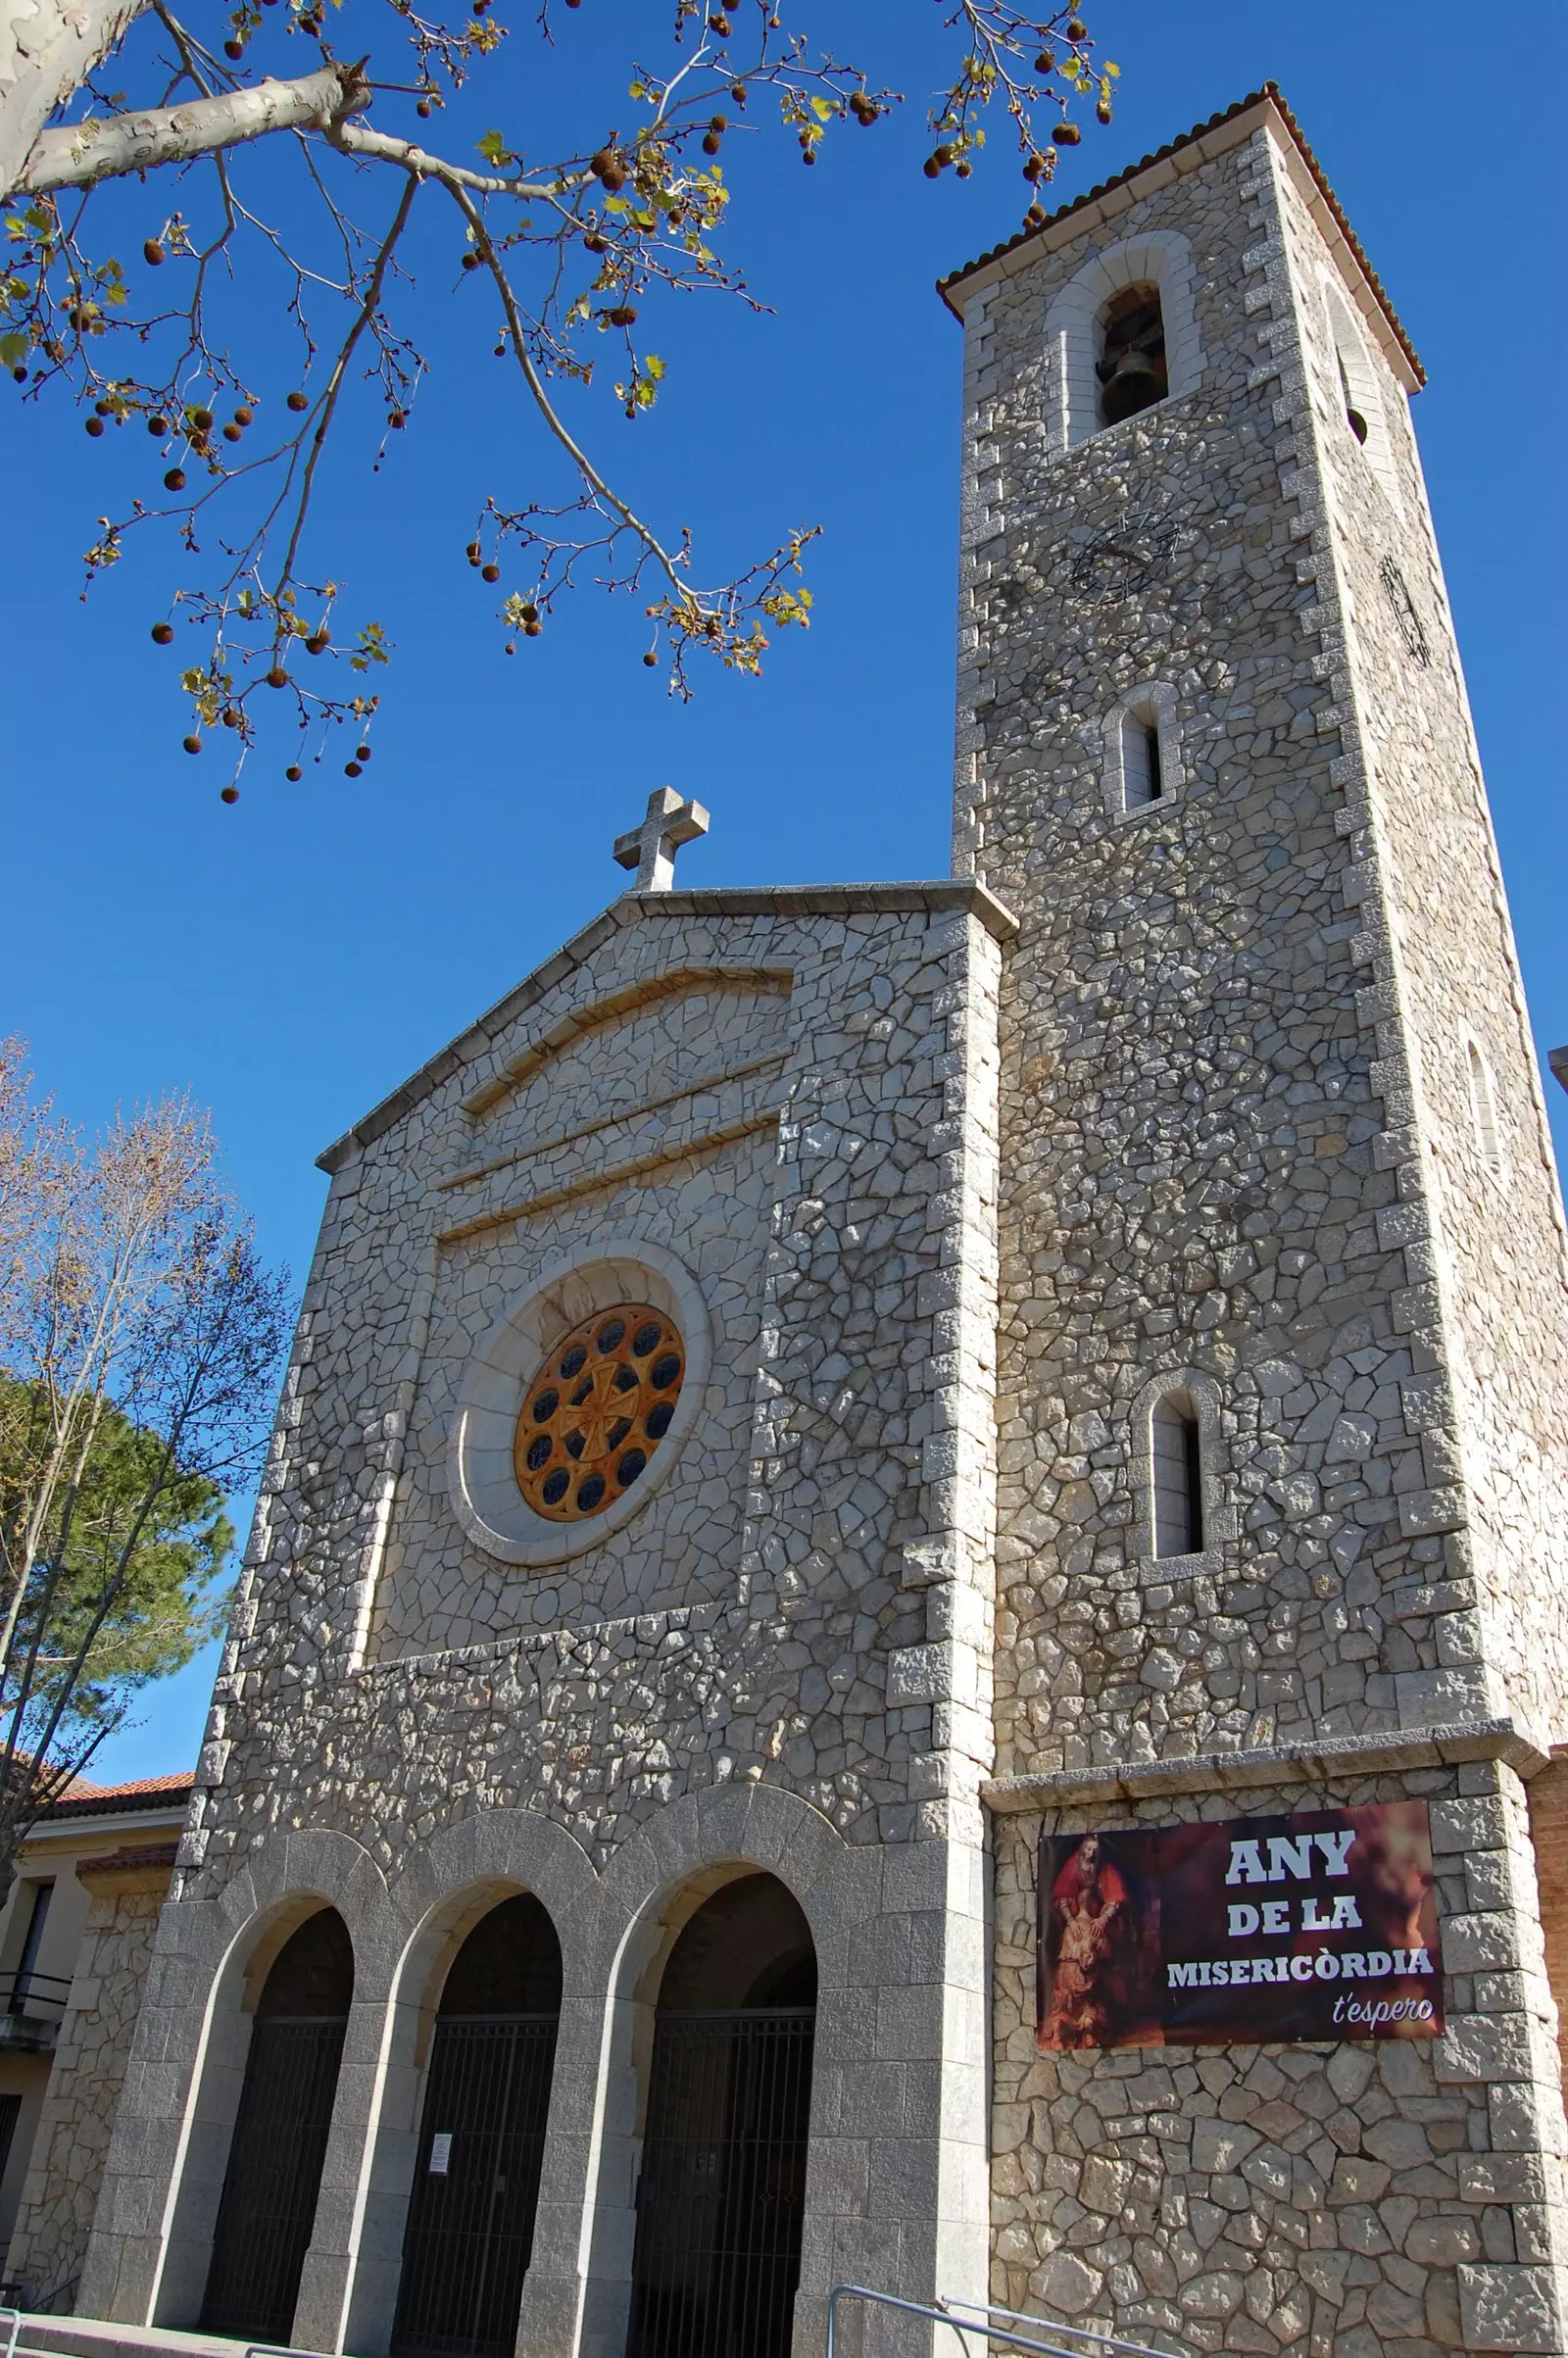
<point x="1098" y="1955"/>
<point x="1322" y="1924"/>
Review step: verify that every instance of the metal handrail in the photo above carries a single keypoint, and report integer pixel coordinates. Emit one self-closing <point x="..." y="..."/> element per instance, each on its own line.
<point x="28" y="2303"/>
<point x="20" y="1989"/>
<point x="942" y="2313"/>
<point x="1104" y="2342"/>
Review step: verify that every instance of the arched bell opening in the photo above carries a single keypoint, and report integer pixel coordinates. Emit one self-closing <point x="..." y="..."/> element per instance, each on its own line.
<point x="470" y="2219"/>
<point x="268" y="2207"/>
<point x="721" y="2196"/>
<point x="1131" y="367"/>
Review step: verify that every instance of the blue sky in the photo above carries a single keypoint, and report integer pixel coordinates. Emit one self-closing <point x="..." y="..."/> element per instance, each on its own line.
<point x="290" y="960"/>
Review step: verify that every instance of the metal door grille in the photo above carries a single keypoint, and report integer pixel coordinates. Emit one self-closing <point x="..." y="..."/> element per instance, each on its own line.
<point x="722" y="2191"/>
<point x="275" y="2174"/>
<point x="469" y="2234"/>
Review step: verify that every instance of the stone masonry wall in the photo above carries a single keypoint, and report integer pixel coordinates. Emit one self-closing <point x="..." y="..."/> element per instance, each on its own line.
<point x="793" y="1631"/>
<point x="77" y="2119"/>
<point x="816" y="1623"/>
<point x="1210" y="1181"/>
<point x="1345" y="2202"/>
<point x="1192" y="1121"/>
<point x="1483" y="1248"/>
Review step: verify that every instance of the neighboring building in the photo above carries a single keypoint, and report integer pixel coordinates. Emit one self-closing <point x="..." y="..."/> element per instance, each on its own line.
<point x="825" y="1398"/>
<point x="74" y="1939"/>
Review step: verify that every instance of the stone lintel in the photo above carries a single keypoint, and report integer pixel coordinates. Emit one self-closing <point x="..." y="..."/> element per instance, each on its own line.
<point x="1329" y="1760"/>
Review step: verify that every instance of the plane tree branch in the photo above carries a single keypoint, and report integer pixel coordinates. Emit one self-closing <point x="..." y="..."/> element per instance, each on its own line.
<point x="579" y="245"/>
<point x="105" y="147"/>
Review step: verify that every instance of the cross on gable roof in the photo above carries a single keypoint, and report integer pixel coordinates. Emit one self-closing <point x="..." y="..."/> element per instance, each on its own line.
<point x="650" y="848"/>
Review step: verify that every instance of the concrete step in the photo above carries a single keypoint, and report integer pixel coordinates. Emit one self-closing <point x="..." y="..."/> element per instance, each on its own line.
<point x="44" y="2337"/>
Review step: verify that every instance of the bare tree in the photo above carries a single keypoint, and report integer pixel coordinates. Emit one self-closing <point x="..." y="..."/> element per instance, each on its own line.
<point x="139" y="1345"/>
<point x="573" y="247"/>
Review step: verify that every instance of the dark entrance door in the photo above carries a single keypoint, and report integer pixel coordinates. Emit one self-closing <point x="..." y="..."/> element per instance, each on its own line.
<point x="724" y="2185"/>
<point x="268" y="2207"/>
<point x="721" y="2197"/>
<point x="469" y="2234"/>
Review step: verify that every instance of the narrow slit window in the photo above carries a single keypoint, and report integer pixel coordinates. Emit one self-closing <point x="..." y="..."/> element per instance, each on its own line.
<point x="1131" y="367"/>
<point x="1142" y="777"/>
<point x="1484" y="1107"/>
<point x="1177" y="1464"/>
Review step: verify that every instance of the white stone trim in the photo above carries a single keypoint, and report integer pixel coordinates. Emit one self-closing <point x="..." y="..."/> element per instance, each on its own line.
<point x="1164" y="259"/>
<point x="618" y="1266"/>
<point x="1219" y="1521"/>
<point x="1159" y="698"/>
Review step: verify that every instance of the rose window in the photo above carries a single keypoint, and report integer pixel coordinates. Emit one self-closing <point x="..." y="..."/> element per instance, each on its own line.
<point x="597" y="1410"/>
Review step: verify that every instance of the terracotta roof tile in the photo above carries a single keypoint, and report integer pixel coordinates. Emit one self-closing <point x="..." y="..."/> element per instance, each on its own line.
<point x="1270" y="92"/>
<point x="82" y="1799"/>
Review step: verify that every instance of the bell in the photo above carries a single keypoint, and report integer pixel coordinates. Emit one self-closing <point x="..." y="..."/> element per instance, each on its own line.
<point x="1135" y="382"/>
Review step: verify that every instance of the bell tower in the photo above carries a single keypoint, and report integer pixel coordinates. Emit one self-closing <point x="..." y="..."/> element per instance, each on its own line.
<point x="1283" y="1355"/>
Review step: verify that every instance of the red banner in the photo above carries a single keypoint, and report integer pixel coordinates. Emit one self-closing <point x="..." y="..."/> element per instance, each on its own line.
<point x="1322" y="1924"/>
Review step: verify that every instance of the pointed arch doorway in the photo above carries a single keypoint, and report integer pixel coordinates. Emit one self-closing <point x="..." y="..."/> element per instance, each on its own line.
<point x="469" y="2234"/>
<point x="268" y="2207"/>
<point x="722" y="2196"/>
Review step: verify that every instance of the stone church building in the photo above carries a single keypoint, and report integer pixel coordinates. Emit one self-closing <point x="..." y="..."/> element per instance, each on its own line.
<point x="822" y="1388"/>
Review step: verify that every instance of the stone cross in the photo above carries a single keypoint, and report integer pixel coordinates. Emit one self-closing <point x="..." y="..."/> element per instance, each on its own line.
<point x="650" y="848"/>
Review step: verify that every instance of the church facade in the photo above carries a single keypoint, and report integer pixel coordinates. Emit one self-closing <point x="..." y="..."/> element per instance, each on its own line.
<point x="823" y="1399"/>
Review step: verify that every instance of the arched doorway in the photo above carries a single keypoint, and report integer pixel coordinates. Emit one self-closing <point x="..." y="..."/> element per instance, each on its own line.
<point x="267" y="2206"/>
<point x="722" y="2191"/>
<point x="469" y="2232"/>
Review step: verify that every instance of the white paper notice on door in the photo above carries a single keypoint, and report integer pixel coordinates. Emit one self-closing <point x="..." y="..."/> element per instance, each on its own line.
<point x="441" y="2153"/>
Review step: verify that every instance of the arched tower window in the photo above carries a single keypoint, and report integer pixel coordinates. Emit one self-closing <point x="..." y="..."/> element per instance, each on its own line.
<point x="1121" y="335"/>
<point x="1142" y="749"/>
<point x="1352" y="416"/>
<point x="1140" y="757"/>
<point x="1131" y="362"/>
<point x="1176" y="1464"/>
<point x="1484" y="1108"/>
<point x="1356" y="389"/>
